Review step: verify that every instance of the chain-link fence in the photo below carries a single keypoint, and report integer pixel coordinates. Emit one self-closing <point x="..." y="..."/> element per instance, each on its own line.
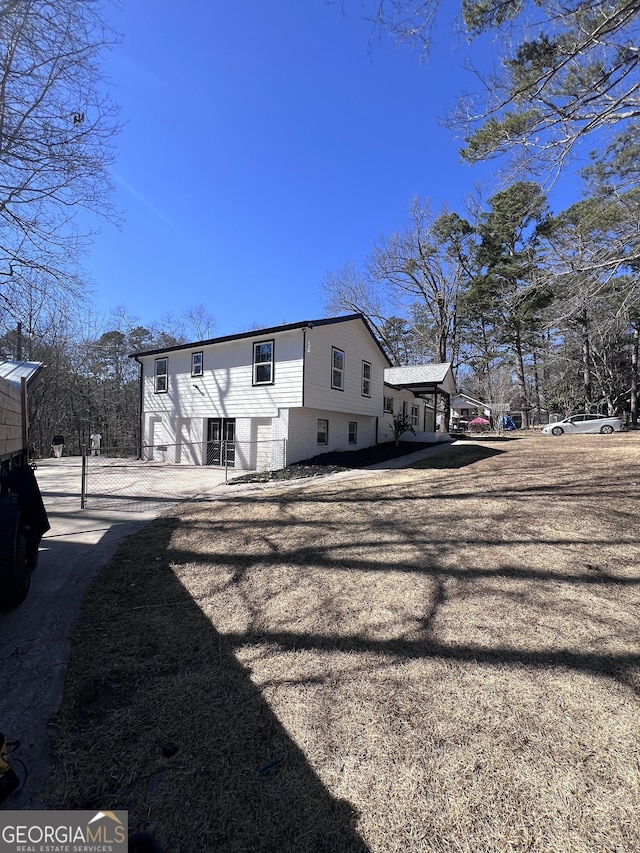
<point x="127" y="479"/>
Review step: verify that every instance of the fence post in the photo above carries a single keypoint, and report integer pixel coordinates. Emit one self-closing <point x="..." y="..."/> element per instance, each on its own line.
<point x="225" y="450"/>
<point x="83" y="478"/>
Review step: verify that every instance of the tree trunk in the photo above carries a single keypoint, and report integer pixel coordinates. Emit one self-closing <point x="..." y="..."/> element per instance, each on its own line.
<point x="443" y="329"/>
<point x="634" y="374"/>
<point x="522" y="385"/>
<point x="536" y="385"/>
<point x="586" y="362"/>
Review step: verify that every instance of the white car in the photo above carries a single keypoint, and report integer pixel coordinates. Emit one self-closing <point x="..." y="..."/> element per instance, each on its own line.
<point x="584" y="423"/>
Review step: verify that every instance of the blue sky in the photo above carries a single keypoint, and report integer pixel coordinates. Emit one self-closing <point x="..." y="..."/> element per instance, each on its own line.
<point x="265" y="144"/>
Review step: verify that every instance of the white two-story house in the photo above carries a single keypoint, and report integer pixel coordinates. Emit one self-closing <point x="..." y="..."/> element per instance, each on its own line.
<point x="269" y="397"/>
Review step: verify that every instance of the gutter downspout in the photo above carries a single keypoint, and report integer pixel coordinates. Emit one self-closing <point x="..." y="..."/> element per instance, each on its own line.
<point x="140" y="401"/>
<point x="304" y="361"/>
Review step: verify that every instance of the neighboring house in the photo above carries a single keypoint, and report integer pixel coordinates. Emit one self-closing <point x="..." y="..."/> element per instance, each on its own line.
<point x="464" y="408"/>
<point x="270" y="397"/>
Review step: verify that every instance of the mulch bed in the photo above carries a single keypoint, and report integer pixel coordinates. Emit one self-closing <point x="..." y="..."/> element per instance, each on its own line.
<point x="333" y="463"/>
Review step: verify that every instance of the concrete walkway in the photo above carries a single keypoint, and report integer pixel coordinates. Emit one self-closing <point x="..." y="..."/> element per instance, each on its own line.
<point x="35" y="638"/>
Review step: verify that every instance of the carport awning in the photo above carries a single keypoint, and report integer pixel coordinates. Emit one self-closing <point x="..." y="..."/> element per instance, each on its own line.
<point x="422" y="378"/>
<point x="15" y="371"/>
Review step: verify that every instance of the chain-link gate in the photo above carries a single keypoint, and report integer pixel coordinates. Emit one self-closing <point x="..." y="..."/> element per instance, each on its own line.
<point x="124" y="478"/>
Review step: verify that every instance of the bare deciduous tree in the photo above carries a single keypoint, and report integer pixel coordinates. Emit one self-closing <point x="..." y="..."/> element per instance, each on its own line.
<point x="57" y="126"/>
<point x="415" y="267"/>
<point x="349" y="289"/>
<point x="412" y="277"/>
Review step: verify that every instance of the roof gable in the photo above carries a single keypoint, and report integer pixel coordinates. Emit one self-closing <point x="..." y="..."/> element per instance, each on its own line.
<point x="463" y="396"/>
<point x="422" y="378"/>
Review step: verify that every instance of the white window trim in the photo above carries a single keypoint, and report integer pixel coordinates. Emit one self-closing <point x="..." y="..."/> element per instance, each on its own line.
<point x="353" y="424"/>
<point x="387" y="411"/>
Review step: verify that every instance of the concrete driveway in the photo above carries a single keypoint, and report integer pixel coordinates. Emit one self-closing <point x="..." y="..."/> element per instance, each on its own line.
<point x="35" y="637"/>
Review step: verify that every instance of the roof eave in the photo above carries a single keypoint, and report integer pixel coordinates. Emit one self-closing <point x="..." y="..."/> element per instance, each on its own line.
<point x="271" y="330"/>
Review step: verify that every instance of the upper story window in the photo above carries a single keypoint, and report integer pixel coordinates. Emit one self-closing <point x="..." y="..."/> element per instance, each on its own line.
<point x="161" y="379"/>
<point x="263" y="363"/>
<point x="197" y="364"/>
<point x="388" y="405"/>
<point x="337" y="368"/>
<point x="366" y="379"/>
<point x="415" y="414"/>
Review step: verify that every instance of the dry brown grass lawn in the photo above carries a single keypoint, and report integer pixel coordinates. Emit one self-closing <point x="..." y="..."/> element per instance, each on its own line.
<point x="438" y="659"/>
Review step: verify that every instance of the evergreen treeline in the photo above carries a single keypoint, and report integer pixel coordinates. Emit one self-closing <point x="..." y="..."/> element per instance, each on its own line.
<point x="537" y="312"/>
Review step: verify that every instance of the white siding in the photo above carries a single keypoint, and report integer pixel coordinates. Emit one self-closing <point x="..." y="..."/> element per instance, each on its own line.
<point x="426" y="417"/>
<point x="156" y="437"/>
<point x="400" y="397"/>
<point x="303" y="423"/>
<point x="357" y="344"/>
<point x="225" y="388"/>
<point x="187" y="451"/>
<point x="263" y="432"/>
<point x="284" y="413"/>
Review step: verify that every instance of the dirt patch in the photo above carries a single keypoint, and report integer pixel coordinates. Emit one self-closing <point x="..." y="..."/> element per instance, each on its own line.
<point x="437" y="659"/>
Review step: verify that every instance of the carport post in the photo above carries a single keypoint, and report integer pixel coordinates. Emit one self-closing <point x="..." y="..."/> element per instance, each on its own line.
<point x="83" y="478"/>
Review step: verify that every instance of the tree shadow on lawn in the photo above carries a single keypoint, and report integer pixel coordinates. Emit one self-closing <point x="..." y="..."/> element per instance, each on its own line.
<point x="621" y="667"/>
<point x="314" y="545"/>
<point x="457" y="456"/>
<point x="161" y="719"/>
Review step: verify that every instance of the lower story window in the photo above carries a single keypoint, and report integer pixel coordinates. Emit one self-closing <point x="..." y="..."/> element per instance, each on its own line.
<point x="323" y="431"/>
<point x="415" y="413"/>
<point x="353" y="432"/>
